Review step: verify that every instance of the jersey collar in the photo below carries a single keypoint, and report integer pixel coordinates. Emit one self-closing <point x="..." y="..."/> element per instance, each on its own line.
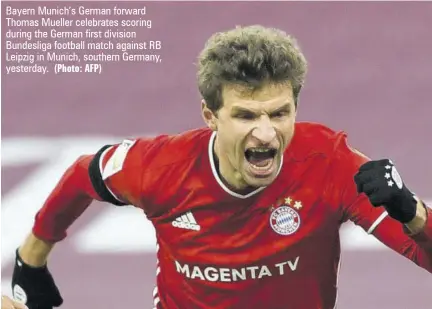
<point x="219" y="180"/>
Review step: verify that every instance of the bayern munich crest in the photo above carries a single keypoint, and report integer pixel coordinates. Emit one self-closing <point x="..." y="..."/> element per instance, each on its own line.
<point x="284" y="220"/>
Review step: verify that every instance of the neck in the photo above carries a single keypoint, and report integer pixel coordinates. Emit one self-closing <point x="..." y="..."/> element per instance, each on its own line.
<point x="229" y="176"/>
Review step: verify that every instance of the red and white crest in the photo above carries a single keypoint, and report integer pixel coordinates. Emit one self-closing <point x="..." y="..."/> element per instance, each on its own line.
<point x="284" y="220"/>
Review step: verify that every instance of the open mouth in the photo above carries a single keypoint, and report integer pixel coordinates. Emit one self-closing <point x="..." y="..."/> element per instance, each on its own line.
<point x="261" y="160"/>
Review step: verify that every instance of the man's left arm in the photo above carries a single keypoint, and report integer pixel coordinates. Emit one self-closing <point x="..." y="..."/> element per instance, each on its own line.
<point x="374" y="197"/>
<point x="384" y="188"/>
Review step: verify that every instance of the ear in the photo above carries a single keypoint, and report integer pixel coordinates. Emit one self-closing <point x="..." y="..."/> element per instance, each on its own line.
<point x="209" y="117"/>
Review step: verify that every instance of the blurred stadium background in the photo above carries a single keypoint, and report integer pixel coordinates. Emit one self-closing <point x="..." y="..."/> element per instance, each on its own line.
<point x="370" y="73"/>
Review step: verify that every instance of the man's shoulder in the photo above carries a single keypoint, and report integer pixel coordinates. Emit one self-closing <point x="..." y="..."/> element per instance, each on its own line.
<point x="145" y="167"/>
<point x="317" y="131"/>
<point x="311" y="138"/>
<point x="150" y="153"/>
<point x="167" y="149"/>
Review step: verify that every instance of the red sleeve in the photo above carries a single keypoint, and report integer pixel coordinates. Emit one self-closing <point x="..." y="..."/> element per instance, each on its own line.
<point x="118" y="175"/>
<point x="375" y="220"/>
<point x="417" y="248"/>
<point x="113" y="175"/>
<point x="116" y="172"/>
<point x="69" y="199"/>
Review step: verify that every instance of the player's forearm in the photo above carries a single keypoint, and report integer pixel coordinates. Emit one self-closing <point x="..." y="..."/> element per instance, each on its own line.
<point x="418" y="224"/>
<point x="69" y="199"/>
<point x="420" y="228"/>
<point x="35" y="251"/>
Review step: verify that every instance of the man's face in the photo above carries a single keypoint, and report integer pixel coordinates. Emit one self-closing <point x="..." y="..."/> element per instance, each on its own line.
<point x="253" y="130"/>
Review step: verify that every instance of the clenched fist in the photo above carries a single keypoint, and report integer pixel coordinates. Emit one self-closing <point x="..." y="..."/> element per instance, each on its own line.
<point x="383" y="185"/>
<point x="34" y="286"/>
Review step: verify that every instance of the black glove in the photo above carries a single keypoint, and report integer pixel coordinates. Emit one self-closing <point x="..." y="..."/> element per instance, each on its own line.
<point x="382" y="184"/>
<point x="34" y="286"/>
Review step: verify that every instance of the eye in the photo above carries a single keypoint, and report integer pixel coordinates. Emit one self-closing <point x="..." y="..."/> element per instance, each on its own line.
<point x="245" y="116"/>
<point x="280" y="114"/>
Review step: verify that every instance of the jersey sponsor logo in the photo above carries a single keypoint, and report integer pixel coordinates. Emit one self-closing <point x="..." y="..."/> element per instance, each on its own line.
<point x="284" y="220"/>
<point x="186" y="221"/>
<point x="115" y="163"/>
<point x="236" y="274"/>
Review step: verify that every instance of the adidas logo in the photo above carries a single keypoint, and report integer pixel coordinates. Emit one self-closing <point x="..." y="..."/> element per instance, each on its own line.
<point x="186" y="221"/>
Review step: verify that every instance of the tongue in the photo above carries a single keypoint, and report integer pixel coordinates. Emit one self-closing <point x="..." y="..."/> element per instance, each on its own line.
<point x="259" y="162"/>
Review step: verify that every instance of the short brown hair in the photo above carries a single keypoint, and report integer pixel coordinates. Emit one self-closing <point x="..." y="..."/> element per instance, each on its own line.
<point x="250" y="57"/>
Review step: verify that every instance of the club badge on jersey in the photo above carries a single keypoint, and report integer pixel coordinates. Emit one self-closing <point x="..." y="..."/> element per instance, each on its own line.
<point x="285" y="220"/>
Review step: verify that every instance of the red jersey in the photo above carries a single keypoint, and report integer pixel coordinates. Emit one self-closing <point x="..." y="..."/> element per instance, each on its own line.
<point x="277" y="247"/>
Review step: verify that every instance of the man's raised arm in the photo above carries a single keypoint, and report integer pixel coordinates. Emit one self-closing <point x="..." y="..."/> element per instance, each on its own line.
<point x="69" y="199"/>
<point x="89" y="178"/>
<point x="375" y="198"/>
<point x="405" y="224"/>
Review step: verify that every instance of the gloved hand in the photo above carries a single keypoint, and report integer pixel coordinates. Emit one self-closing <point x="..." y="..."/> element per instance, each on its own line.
<point x="34" y="286"/>
<point x="383" y="185"/>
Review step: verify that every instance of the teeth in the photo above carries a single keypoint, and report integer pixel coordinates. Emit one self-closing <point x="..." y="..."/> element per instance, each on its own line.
<point x="260" y="149"/>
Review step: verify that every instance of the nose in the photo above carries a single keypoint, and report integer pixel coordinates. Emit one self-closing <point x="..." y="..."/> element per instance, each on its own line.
<point x="264" y="132"/>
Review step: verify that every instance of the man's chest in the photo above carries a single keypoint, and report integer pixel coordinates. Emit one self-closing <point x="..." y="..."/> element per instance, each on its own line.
<point x="277" y="225"/>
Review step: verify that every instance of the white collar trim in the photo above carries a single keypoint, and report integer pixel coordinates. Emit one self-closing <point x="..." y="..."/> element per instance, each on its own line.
<point x="220" y="182"/>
